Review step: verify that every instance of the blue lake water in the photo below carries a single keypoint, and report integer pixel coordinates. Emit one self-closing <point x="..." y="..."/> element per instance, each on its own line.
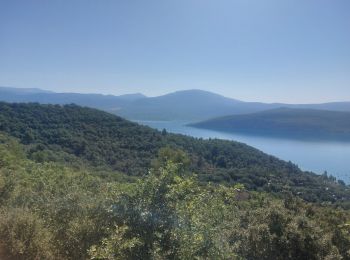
<point x="315" y="156"/>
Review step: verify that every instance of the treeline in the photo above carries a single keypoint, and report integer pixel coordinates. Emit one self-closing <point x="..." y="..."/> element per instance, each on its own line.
<point x="49" y="210"/>
<point x="88" y="138"/>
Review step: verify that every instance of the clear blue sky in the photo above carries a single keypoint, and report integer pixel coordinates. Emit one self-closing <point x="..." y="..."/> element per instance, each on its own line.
<point x="254" y="50"/>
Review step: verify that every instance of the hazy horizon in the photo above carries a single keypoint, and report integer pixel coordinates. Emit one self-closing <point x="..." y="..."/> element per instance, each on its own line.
<point x="180" y="90"/>
<point x="270" y="51"/>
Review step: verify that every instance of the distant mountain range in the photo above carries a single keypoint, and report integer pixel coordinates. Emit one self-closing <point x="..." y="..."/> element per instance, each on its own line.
<point x="286" y="122"/>
<point x="104" y="102"/>
<point x="191" y="105"/>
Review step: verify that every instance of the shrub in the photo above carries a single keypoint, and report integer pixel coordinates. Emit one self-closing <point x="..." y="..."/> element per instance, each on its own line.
<point x="24" y="236"/>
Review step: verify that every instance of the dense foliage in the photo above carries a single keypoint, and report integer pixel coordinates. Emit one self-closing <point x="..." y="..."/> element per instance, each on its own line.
<point x="49" y="210"/>
<point x="88" y="138"/>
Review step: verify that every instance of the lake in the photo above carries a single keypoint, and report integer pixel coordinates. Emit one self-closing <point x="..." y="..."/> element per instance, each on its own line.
<point x="315" y="156"/>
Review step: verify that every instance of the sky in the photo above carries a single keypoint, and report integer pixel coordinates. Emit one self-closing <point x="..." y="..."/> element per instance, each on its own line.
<point x="293" y="51"/>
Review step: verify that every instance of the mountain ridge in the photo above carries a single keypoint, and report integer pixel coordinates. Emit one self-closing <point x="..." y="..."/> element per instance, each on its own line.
<point x="191" y="105"/>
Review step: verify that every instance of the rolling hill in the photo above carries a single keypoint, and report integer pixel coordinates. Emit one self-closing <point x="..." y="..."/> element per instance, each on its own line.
<point x="286" y="122"/>
<point x="92" y="138"/>
<point x="79" y="183"/>
<point x="189" y="105"/>
<point x="54" y="210"/>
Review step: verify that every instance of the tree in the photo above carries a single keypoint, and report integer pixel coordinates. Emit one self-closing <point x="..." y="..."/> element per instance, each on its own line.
<point x="167" y="215"/>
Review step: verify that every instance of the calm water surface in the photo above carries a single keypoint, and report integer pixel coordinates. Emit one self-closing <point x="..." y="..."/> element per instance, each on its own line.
<point x="320" y="156"/>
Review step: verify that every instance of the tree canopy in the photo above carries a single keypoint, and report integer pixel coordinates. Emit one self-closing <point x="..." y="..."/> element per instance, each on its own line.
<point x="49" y="210"/>
<point x="89" y="138"/>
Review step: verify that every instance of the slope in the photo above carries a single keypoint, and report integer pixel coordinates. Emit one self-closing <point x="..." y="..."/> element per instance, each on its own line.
<point x="286" y="122"/>
<point x="85" y="137"/>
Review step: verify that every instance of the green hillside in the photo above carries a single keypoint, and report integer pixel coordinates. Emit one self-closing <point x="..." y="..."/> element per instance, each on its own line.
<point x="286" y="122"/>
<point x="78" y="183"/>
<point x="52" y="211"/>
<point x="85" y="137"/>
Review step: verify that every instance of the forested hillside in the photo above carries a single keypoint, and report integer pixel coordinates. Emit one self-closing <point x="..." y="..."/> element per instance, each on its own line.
<point x="287" y="123"/>
<point x="51" y="210"/>
<point x="88" y="138"/>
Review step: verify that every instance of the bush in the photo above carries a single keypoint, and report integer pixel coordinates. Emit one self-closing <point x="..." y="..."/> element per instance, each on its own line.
<point x="24" y="236"/>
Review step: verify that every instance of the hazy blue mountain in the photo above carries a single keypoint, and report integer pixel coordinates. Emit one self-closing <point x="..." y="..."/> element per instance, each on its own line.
<point x="201" y="105"/>
<point x="132" y="97"/>
<point x="105" y="102"/>
<point x="286" y="122"/>
<point x="22" y="91"/>
<point x="333" y="106"/>
<point x="190" y="105"/>
<point x="181" y="105"/>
